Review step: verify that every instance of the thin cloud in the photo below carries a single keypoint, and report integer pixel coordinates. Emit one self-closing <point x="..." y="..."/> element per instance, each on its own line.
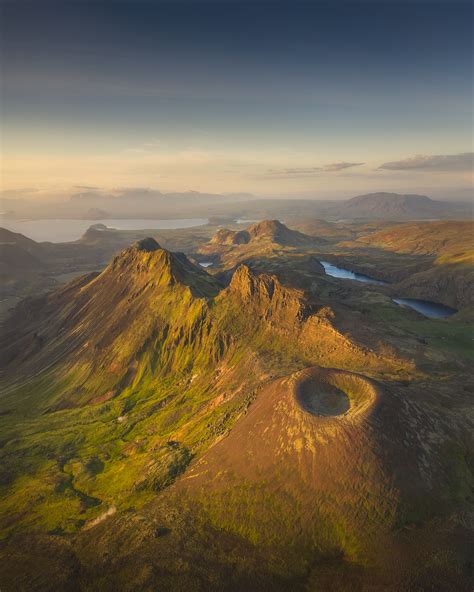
<point x="340" y="166"/>
<point x="296" y="172"/>
<point x="437" y="162"/>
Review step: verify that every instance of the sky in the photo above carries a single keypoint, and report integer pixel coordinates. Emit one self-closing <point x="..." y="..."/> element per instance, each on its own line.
<point x="323" y="99"/>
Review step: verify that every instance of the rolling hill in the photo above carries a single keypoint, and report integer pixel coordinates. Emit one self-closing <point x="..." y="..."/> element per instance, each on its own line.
<point x="445" y="254"/>
<point x="449" y="242"/>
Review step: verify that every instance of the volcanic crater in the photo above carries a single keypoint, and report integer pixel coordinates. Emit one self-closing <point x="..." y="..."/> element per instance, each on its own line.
<point x="326" y="392"/>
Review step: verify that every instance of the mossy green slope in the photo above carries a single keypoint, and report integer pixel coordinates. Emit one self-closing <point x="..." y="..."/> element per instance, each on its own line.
<point x="116" y="366"/>
<point x="130" y="376"/>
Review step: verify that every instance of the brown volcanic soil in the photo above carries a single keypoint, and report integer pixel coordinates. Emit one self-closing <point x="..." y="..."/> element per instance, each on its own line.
<point x="286" y="501"/>
<point x="313" y="488"/>
<point x="318" y="469"/>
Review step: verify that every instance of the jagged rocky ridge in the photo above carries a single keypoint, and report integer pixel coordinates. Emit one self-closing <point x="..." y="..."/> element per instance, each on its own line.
<point x="151" y="300"/>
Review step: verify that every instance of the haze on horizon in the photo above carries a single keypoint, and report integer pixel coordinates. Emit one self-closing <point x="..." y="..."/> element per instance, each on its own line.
<point x="275" y="98"/>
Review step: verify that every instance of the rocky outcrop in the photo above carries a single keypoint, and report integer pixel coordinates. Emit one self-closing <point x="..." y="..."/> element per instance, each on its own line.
<point x="230" y="237"/>
<point x="268" y="230"/>
<point x="265" y="293"/>
<point x="276" y="232"/>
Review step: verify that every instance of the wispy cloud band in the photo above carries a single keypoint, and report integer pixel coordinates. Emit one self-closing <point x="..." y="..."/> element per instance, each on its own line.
<point x="293" y="172"/>
<point x="438" y="162"/>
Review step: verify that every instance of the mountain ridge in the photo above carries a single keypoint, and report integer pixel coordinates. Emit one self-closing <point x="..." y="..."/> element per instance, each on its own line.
<point x="139" y="380"/>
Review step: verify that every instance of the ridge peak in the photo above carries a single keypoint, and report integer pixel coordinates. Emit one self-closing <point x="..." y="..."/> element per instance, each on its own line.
<point x="148" y="245"/>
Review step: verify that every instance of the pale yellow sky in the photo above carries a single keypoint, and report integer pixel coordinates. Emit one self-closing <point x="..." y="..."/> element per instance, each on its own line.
<point x="279" y="173"/>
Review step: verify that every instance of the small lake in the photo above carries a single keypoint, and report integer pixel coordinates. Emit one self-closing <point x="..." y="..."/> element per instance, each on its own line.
<point x="205" y="263"/>
<point x="347" y="274"/>
<point x="60" y="231"/>
<point x="429" y="309"/>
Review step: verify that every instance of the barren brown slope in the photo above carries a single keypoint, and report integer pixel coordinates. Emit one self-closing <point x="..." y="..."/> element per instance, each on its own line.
<point x="317" y="487"/>
<point x="291" y="501"/>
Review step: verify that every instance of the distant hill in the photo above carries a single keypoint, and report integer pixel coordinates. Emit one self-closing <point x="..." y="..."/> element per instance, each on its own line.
<point x="267" y="230"/>
<point x="20" y="240"/>
<point x="147" y="203"/>
<point x="18" y="259"/>
<point x="18" y="255"/>
<point x="276" y="232"/>
<point x="230" y="237"/>
<point x="372" y="206"/>
<point x="392" y="206"/>
<point x="450" y="242"/>
<point x="19" y="267"/>
<point x="450" y="247"/>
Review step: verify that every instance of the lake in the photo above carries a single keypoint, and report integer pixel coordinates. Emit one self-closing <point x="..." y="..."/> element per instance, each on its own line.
<point x="60" y="231"/>
<point x="429" y="309"/>
<point x="347" y="274"/>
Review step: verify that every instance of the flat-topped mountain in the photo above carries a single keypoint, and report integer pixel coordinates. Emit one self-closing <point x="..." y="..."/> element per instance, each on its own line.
<point x="391" y="206"/>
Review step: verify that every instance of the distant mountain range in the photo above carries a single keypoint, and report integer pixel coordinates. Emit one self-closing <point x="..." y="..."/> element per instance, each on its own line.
<point x="145" y="203"/>
<point x="381" y="205"/>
